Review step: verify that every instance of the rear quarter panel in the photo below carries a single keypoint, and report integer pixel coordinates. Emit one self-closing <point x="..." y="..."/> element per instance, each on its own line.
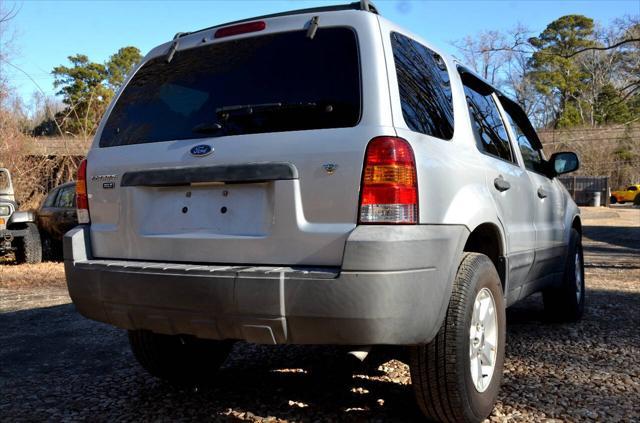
<point x="451" y="176"/>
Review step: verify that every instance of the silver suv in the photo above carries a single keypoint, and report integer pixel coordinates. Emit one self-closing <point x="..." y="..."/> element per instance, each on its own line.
<point x="321" y="176"/>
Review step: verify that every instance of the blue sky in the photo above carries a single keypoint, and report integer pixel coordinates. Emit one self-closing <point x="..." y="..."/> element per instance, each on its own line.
<point x="49" y="31"/>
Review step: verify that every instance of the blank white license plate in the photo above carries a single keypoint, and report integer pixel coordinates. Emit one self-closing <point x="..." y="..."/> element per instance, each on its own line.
<point x="236" y="209"/>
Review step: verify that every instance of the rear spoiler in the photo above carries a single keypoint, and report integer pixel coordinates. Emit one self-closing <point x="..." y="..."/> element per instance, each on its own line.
<point x="364" y="5"/>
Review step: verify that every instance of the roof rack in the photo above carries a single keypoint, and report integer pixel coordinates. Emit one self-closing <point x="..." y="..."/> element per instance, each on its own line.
<point x="364" y="5"/>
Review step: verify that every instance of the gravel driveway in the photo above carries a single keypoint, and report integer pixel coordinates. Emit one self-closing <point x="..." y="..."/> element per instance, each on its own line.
<point x="56" y="365"/>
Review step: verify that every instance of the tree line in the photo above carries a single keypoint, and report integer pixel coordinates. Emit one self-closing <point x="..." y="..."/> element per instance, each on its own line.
<point x="574" y="73"/>
<point x="86" y="89"/>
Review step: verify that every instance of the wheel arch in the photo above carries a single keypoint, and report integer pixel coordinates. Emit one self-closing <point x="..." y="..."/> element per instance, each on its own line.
<point x="487" y="238"/>
<point x="577" y="224"/>
<point x="22" y="217"/>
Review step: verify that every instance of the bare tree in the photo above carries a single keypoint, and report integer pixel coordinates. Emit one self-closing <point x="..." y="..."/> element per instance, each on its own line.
<point x="503" y="59"/>
<point x="485" y="54"/>
<point x="33" y="176"/>
<point x="612" y="64"/>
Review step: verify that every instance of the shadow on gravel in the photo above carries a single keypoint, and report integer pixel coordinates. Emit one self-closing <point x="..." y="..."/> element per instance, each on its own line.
<point x="626" y="237"/>
<point x="56" y="365"/>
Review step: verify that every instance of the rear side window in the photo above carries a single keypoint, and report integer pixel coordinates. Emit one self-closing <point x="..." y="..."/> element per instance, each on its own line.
<point x="270" y="83"/>
<point x="425" y="88"/>
<point x="491" y="133"/>
<point x="532" y="157"/>
<point x="66" y="198"/>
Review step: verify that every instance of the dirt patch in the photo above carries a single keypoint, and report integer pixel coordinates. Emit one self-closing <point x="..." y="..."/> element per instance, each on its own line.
<point x="29" y="286"/>
<point x="611" y="241"/>
<point x="613" y="216"/>
<point x="30" y="276"/>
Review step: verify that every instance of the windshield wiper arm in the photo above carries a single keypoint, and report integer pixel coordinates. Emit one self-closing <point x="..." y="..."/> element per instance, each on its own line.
<point x="249" y="109"/>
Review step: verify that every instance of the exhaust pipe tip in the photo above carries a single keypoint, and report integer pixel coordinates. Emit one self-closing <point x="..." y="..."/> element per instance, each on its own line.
<point x="8" y="237"/>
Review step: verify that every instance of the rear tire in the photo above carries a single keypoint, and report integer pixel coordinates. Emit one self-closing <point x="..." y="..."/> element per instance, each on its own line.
<point x="447" y="388"/>
<point x="179" y="359"/>
<point x="613" y="199"/>
<point x="29" y="248"/>
<point x="636" y="201"/>
<point x="566" y="302"/>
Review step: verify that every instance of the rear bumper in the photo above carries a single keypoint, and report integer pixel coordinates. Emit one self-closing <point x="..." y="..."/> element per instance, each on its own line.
<point x="15" y="233"/>
<point x="393" y="288"/>
<point x="8" y="236"/>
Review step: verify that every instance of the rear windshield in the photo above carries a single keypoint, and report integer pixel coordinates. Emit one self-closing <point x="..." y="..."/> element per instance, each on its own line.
<point x="270" y="83"/>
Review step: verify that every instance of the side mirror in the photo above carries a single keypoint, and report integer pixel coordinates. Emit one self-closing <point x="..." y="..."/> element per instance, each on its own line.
<point x="564" y="162"/>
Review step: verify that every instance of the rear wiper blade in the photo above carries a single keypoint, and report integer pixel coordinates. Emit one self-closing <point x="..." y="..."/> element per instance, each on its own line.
<point x="249" y="109"/>
<point x="207" y="128"/>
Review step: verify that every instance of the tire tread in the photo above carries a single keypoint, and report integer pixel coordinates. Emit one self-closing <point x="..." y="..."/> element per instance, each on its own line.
<point x="29" y="247"/>
<point x="433" y="366"/>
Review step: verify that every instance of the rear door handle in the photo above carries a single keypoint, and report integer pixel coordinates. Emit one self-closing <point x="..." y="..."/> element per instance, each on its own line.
<point x="542" y="193"/>
<point x="500" y="184"/>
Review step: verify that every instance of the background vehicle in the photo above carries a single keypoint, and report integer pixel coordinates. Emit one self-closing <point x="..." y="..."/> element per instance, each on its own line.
<point x="18" y="231"/>
<point x="56" y="216"/>
<point x="632" y="193"/>
<point x="253" y="182"/>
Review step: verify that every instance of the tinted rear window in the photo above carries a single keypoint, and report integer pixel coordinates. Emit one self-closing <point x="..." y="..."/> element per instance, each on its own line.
<point x="270" y="83"/>
<point x="532" y="158"/>
<point x="425" y="88"/>
<point x="491" y="133"/>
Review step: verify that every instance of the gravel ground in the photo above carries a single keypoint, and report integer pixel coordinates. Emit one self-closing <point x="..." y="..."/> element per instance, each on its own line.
<point x="56" y="365"/>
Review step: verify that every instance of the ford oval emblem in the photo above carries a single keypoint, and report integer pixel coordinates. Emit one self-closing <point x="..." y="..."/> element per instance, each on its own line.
<point x="201" y="150"/>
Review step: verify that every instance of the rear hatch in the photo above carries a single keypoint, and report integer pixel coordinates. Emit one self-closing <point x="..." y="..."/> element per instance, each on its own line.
<point x="246" y="149"/>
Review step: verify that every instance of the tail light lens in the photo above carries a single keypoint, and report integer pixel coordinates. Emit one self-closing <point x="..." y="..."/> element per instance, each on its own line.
<point x="389" y="191"/>
<point x="240" y="29"/>
<point x="82" y="198"/>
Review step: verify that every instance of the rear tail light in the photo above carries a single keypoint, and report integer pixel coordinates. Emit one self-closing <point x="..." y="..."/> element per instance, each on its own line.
<point x="389" y="191"/>
<point x="82" y="198"/>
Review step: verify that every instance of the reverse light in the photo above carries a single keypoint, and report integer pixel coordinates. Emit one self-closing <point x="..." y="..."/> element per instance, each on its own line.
<point x="389" y="191"/>
<point x="240" y="29"/>
<point x="82" y="198"/>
